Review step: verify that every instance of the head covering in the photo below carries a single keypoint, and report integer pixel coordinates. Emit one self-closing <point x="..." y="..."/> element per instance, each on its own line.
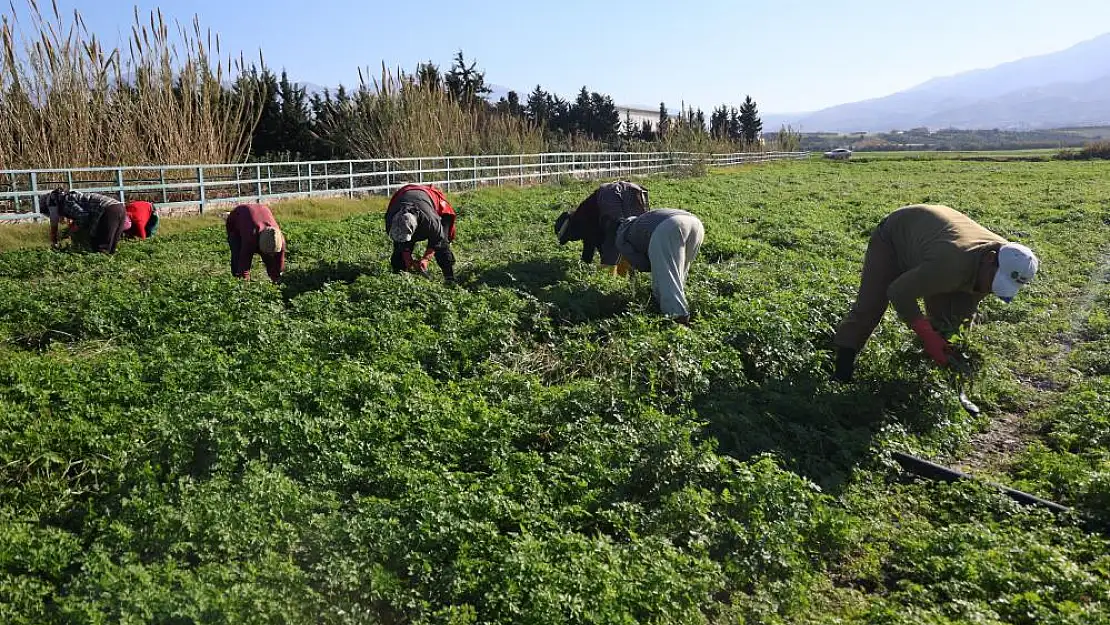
<point x="270" y="241"/>
<point x="1017" y="265"/>
<point x="403" y="227"/>
<point x="563" y="229"/>
<point x="51" y="200"/>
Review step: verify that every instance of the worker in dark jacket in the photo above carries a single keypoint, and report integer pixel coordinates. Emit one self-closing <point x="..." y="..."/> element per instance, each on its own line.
<point x="665" y="242"/>
<point x="96" y="219"/>
<point x="421" y="213"/>
<point x="595" y="220"/>
<point x="935" y="254"/>
<point x="252" y="228"/>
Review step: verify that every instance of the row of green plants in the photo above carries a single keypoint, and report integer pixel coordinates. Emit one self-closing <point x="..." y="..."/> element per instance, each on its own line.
<point x="535" y="445"/>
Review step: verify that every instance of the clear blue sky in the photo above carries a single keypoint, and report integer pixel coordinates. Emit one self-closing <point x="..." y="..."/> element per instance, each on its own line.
<point x="790" y="55"/>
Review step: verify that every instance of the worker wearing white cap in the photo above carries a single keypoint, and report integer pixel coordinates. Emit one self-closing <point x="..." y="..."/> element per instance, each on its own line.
<point x="938" y="255"/>
<point x="421" y="213"/>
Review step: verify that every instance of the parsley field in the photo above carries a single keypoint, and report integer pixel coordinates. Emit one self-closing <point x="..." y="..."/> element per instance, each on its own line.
<point x="536" y="445"/>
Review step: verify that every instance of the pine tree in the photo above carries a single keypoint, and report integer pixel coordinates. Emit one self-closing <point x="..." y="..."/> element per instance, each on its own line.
<point x="581" y="113"/>
<point x="537" y="109"/>
<point x="606" y="118"/>
<point x="734" y="128"/>
<point x="428" y="76"/>
<point x="294" y="118"/>
<point x="750" y="125"/>
<point x="267" y="132"/>
<point x="465" y="83"/>
<point x="515" y="108"/>
<point x="664" y="119"/>
<point x="718" y="123"/>
<point x="562" y="119"/>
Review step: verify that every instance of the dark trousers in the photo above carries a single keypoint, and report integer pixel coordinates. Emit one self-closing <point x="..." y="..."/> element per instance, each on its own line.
<point x="946" y="311"/>
<point x="108" y="229"/>
<point x="445" y="258"/>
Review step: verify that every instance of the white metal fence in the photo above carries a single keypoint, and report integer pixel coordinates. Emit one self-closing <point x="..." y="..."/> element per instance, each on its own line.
<point x="204" y="187"/>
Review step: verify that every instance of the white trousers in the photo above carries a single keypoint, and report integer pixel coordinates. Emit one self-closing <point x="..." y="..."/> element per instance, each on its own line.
<point x="673" y="246"/>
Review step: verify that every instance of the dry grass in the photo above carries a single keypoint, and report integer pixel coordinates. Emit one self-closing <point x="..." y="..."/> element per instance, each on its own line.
<point x="22" y="236"/>
<point x="395" y="116"/>
<point x="68" y="101"/>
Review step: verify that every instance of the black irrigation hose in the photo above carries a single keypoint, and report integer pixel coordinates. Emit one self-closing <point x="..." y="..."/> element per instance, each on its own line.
<point x="931" y="470"/>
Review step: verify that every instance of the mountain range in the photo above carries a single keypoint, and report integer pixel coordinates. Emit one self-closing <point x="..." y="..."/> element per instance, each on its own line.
<point x="1061" y="89"/>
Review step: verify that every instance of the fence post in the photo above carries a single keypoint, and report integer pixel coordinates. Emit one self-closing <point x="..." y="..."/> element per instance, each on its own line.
<point x="200" y="183"/>
<point x="387" y="176"/>
<point x="448" y="185"/>
<point x="520" y="164"/>
<point x="34" y="191"/>
<point x="269" y="179"/>
<point x="475" y="172"/>
<point x="350" y="179"/>
<point x="119" y="183"/>
<point x="420" y="170"/>
<point x="309" y="165"/>
<point x="162" y="181"/>
<point x="238" y="183"/>
<point x="258" y="182"/>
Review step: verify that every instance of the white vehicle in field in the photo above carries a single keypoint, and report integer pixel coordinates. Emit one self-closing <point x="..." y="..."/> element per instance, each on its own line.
<point x="839" y="154"/>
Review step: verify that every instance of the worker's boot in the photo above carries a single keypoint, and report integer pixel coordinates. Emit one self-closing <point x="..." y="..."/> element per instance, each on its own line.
<point x="845" y="364"/>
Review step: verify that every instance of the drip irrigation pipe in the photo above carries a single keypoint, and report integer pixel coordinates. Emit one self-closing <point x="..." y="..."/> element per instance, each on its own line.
<point x="933" y="471"/>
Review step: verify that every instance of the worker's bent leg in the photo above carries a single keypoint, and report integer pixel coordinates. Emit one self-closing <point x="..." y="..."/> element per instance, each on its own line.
<point x="694" y="239"/>
<point x="880" y="268"/>
<point x="152" y="225"/>
<point x="445" y="258"/>
<point x="109" y="229"/>
<point x="667" y="253"/>
<point x="236" y="245"/>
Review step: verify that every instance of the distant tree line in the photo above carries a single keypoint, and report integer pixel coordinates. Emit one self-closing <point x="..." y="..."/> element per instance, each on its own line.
<point x="294" y="124"/>
<point x="950" y="139"/>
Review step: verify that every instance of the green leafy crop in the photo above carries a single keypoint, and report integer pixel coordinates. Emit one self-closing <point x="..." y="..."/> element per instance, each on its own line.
<point x="535" y="444"/>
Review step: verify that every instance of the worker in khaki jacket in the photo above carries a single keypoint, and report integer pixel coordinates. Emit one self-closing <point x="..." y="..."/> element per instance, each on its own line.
<point x="935" y="254"/>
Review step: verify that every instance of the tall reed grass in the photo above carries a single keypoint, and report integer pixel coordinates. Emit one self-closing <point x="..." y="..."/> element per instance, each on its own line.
<point x="393" y="115"/>
<point x="68" y="100"/>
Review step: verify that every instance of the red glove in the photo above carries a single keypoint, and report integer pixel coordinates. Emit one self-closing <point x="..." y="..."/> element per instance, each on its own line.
<point x="422" y="265"/>
<point x="935" y="346"/>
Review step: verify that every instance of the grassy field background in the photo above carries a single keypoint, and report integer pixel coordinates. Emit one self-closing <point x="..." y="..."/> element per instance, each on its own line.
<point x="535" y="445"/>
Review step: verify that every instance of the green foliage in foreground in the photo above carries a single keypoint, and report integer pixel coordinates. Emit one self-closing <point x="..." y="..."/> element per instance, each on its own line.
<point x="535" y="445"/>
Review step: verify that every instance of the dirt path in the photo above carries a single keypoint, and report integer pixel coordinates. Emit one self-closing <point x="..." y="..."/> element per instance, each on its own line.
<point x="994" y="449"/>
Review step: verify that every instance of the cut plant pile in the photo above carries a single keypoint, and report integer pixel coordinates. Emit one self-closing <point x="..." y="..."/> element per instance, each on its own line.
<point x="535" y="445"/>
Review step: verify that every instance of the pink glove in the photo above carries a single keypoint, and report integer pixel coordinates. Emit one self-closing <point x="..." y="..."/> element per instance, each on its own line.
<point x="935" y="345"/>
<point x="422" y="265"/>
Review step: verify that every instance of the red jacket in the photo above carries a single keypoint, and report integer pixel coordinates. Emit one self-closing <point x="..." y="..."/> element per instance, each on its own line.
<point x="443" y="207"/>
<point x="139" y="213"/>
<point x="243" y="224"/>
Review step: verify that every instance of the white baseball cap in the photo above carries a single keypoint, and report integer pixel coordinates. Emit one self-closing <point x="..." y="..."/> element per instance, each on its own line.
<point x="402" y="227"/>
<point x="1017" y="265"/>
